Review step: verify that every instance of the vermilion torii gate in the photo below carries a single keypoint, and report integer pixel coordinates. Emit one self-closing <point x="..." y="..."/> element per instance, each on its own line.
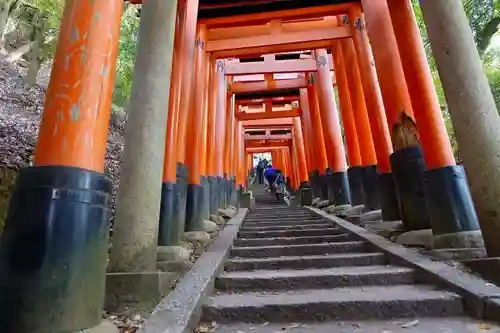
<point x="184" y="152"/>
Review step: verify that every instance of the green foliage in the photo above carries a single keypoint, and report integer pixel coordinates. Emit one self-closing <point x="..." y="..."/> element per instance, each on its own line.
<point x="126" y="58"/>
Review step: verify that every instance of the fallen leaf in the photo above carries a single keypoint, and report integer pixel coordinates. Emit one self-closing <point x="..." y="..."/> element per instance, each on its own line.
<point x="484" y="327"/>
<point x="411" y="324"/>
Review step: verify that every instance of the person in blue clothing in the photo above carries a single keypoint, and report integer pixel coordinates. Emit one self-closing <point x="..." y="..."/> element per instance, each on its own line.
<point x="272" y="176"/>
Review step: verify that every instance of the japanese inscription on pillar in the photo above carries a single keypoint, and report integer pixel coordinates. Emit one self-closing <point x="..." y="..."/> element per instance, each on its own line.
<point x="360" y="25"/>
<point x="220" y="66"/>
<point x="200" y="44"/>
<point x="322" y="62"/>
<point x="345" y="20"/>
<point x="311" y="78"/>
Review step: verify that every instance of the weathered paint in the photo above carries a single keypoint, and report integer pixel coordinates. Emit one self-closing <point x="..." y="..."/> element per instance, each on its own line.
<point x="428" y="116"/>
<point x="75" y="121"/>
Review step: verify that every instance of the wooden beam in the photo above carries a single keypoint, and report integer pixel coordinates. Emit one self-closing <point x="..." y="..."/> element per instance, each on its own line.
<point x="260" y="101"/>
<point x="267" y="115"/>
<point x="263" y="86"/>
<point x="266" y="144"/>
<point x="277" y="42"/>
<point x="266" y="29"/>
<point x="269" y="137"/>
<point x="276" y="66"/>
<point x="278" y="122"/>
<point x="289" y="14"/>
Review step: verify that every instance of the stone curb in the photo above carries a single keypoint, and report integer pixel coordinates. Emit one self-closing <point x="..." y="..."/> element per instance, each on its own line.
<point x="481" y="299"/>
<point x="180" y="311"/>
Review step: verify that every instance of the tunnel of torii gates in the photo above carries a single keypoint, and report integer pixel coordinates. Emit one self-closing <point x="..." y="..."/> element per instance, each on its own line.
<point x="215" y="81"/>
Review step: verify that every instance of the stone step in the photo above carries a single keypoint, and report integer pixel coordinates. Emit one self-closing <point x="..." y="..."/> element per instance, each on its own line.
<point x="297" y="250"/>
<point x="348" y="303"/>
<point x="286" y="279"/>
<point x="287" y="227"/>
<point x="306" y="262"/>
<point x="274" y="215"/>
<point x="244" y="242"/>
<point x="289" y="233"/>
<point x="283" y="221"/>
<point x="424" y="325"/>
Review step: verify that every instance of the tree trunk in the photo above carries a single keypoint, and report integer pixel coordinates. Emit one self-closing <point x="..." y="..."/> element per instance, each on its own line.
<point x="4" y="17"/>
<point x="35" y="57"/>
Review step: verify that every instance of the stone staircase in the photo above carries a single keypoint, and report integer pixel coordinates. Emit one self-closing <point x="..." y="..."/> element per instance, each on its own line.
<point x="291" y="270"/>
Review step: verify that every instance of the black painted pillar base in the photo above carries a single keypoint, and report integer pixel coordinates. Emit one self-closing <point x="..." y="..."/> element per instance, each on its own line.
<point x="181" y="196"/>
<point x="214" y="194"/>
<point x="169" y="233"/>
<point x="194" y="208"/>
<point x="408" y="167"/>
<point x="234" y="192"/>
<point x="323" y="186"/>
<point x="305" y="194"/>
<point x="315" y="184"/>
<point x="205" y="198"/>
<point x="355" y="176"/>
<point x="449" y="201"/>
<point x="371" y="188"/>
<point x="338" y="188"/>
<point x="328" y="182"/>
<point x="53" y="251"/>
<point x="388" y="197"/>
<point x="220" y="192"/>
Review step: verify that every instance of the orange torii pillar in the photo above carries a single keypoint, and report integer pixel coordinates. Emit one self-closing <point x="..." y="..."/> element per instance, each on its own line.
<point x="336" y="176"/>
<point x="198" y="193"/>
<point x="377" y="117"/>
<point x="227" y="150"/>
<point x="449" y="203"/>
<point x="316" y="178"/>
<point x="174" y="184"/>
<point x="56" y="231"/>
<point x="307" y="131"/>
<point x="235" y="158"/>
<point x="407" y="160"/>
<point x="213" y="153"/>
<point x="355" y="170"/>
<point x="368" y="168"/>
<point x="220" y="130"/>
<point x="298" y="139"/>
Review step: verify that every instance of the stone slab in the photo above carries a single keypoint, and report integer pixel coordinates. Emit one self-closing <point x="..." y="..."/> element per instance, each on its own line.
<point x="289" y="233"/>
<point x="180" y="312"/>
<point x="347" y="303"/>
<point x="287" y="227"/>
<point x="291" y="240"/>
<point x="425" y="325"/>
<point x="297" y="250"/>
<point x="306" y="262"/>
<point x="473" y="289"/>
<point x="140" y="291"/>
<point x="488" y="268"/>
<point x="457" y="254"/>
<point x="104" y="327"/>
<point x="286" y="279"/>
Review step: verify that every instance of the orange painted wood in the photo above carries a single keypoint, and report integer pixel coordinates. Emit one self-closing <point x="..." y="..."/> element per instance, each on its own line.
<point x="332" y="134"/>
<point x="74" y="127"/>
<point x="299" y="151"/>
<point x="268" y="115"/>
<point x="307" y="130"/>
<point x="346" y="110"/>
<point x="428" y="116"/>
<point x="360" y="113"/>
<point x="183" y="137"/>
<point x="387" y="60"/>
<point x="220" y="117"/>
<point x="275" y="43"/>
<point x="170" y="161"/>
<point x="211" y="123"/>
<point x="263" y="86"/>
<point x="265" y="17"/>
<point x="373" y="97"/>
<point x="195" y="154"/>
